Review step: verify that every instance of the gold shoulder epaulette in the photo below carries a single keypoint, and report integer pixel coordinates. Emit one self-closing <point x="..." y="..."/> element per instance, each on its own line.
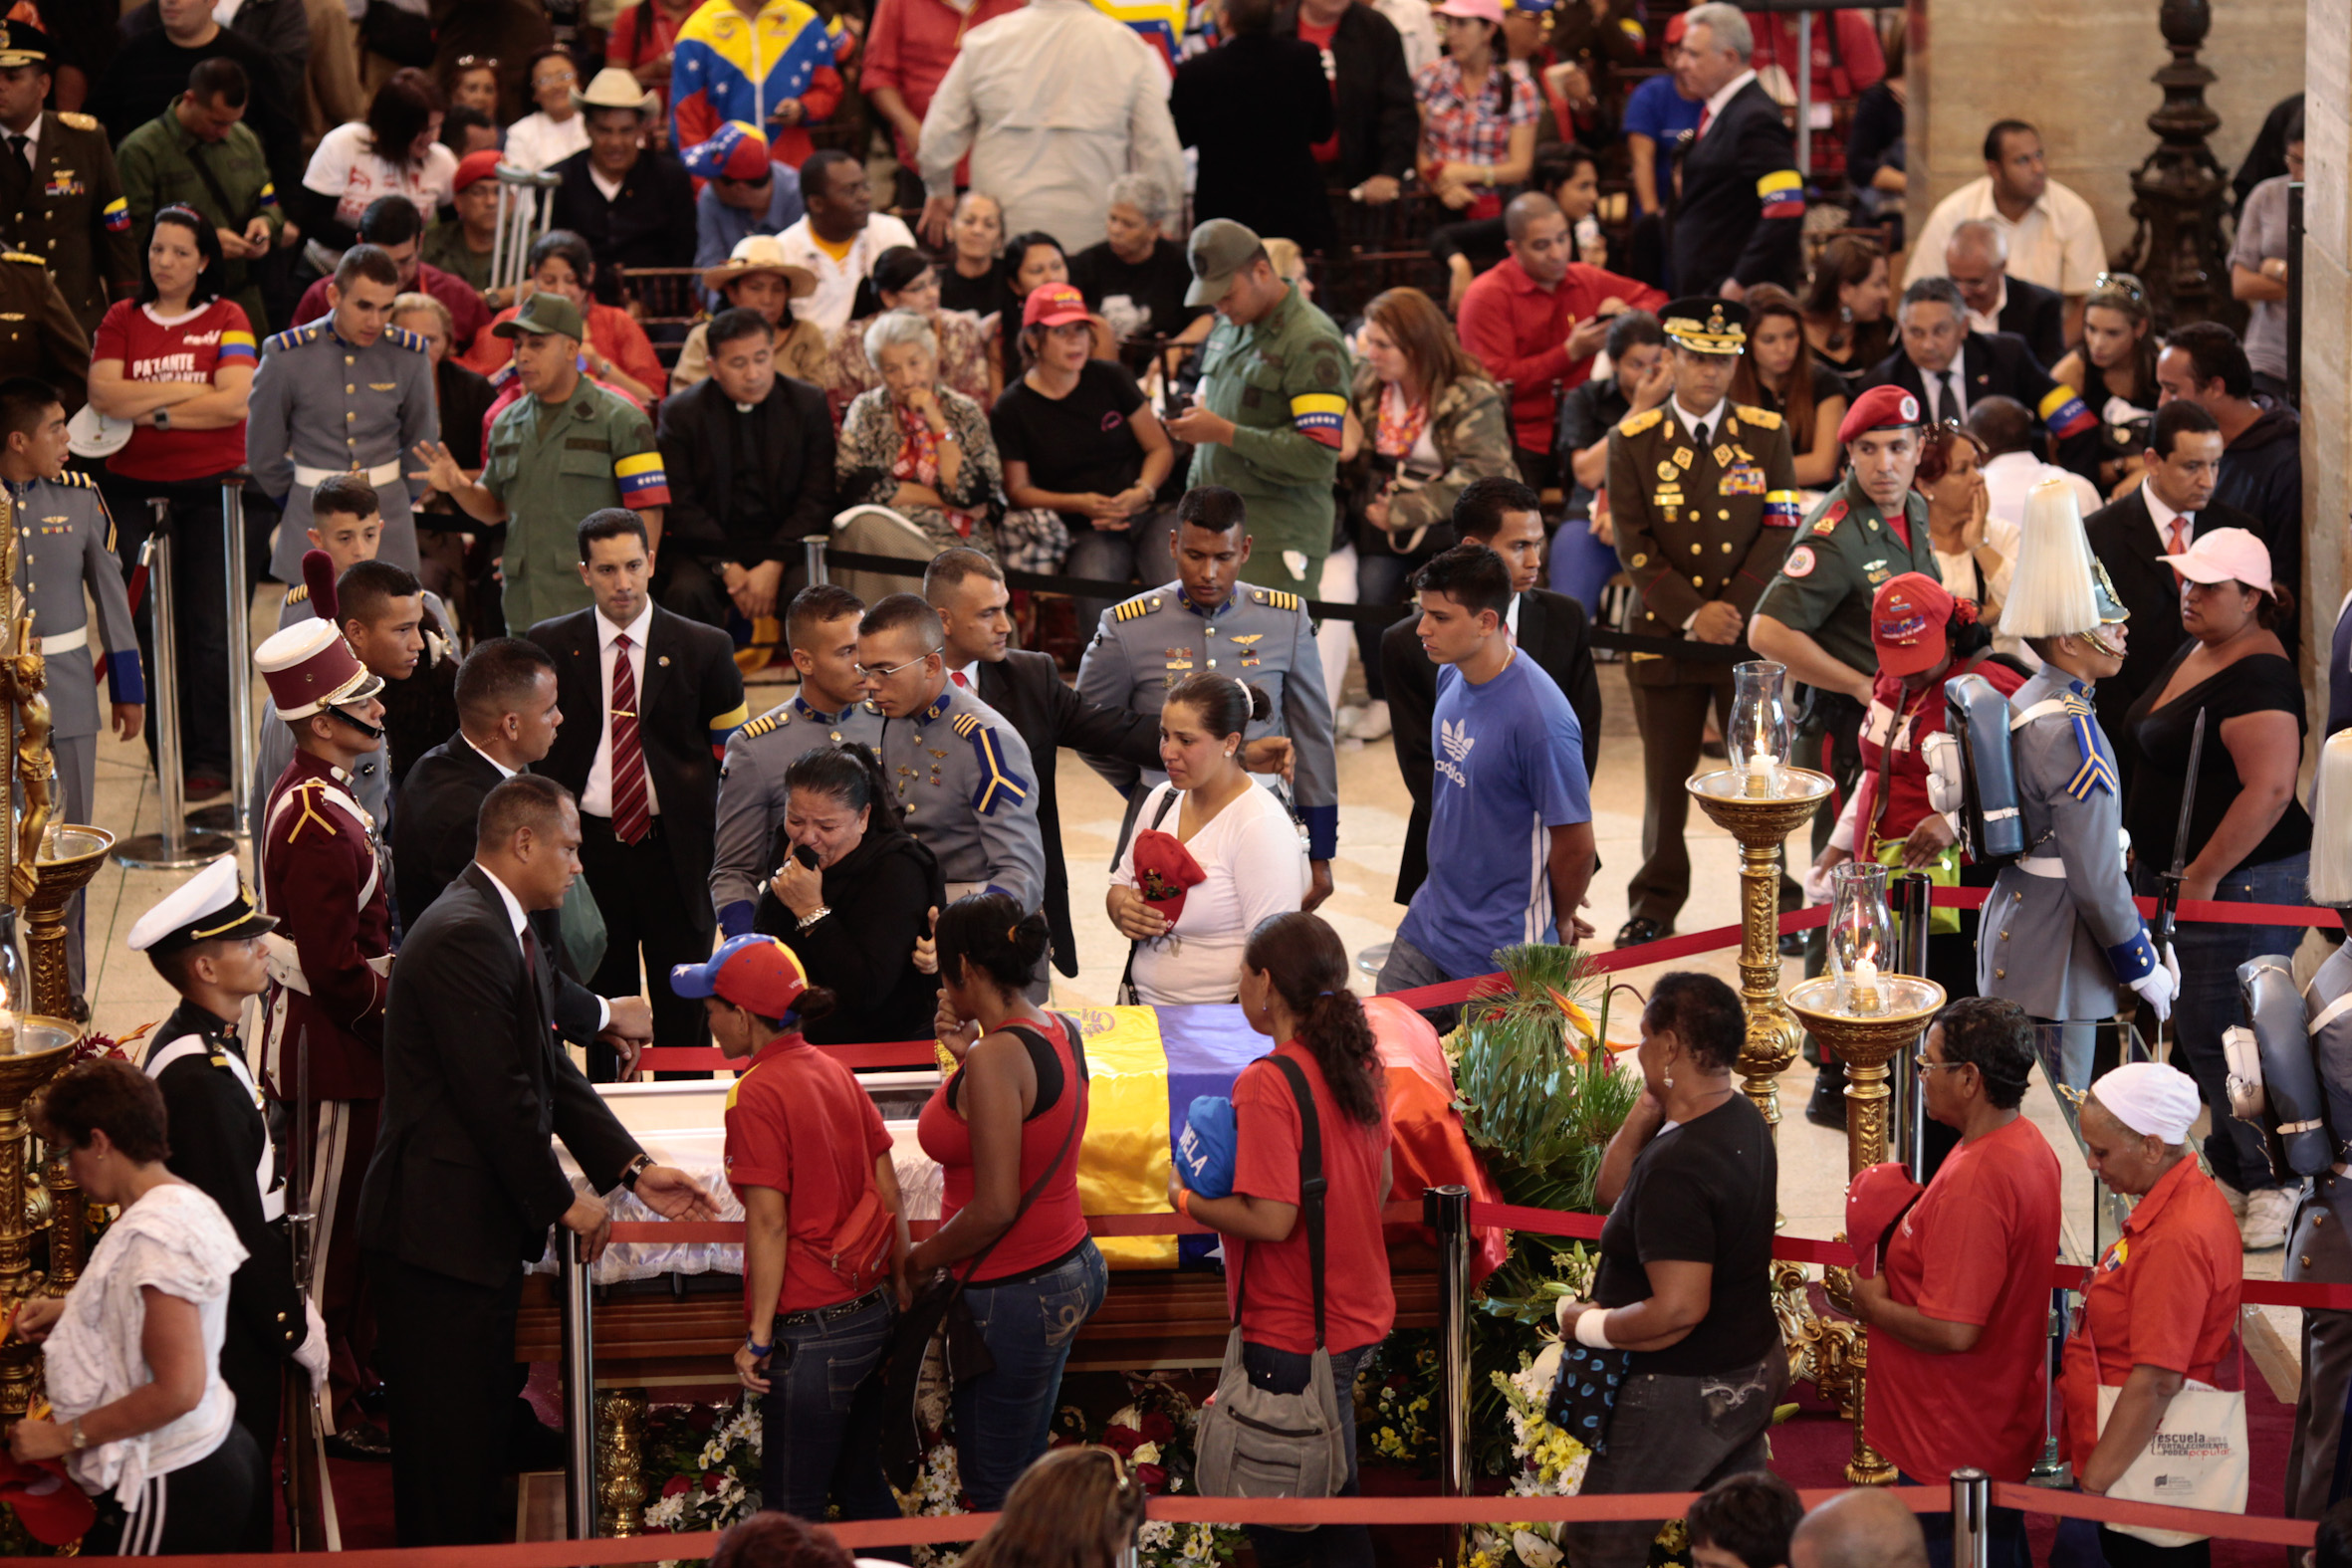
<point x="78" y="480"/>
<point x="1140" y="605"/>
<point x="292" y="338"/>
<point x="75" y="120"/>
<point x="23" y="256"/>
<point x="1276" y="597"/>
<point x="404" y="337"/>
<point x="1635" y="425"/>
<point x="1761" y="418"/>
<point x="764" y="724"/>
<point x="299" y="593"/>
<point x="965" y="724"/>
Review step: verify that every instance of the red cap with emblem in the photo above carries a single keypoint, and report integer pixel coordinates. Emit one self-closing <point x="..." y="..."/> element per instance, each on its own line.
<point x="309" y="667"/>
<point x="1880" y="409"/>
<point x="1909" y="620"/>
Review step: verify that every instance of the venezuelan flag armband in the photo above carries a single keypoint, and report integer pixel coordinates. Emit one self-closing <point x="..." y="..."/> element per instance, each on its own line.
<point x="2063" y="412"/>
<point x="642" y="481"/>
<point x="1782" y="194"/>
<point x="1320" y="417"/>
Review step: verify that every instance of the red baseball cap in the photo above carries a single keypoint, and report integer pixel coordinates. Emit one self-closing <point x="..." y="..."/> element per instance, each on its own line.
<point x="475" y="167"/>
<point x="1053" y="304"/>
<point x="1909" y="620"/>
<point x="1877" y="1199"/>
<point x="1880" y="409"/>
<point x="1674" y="26"/>
<point x="752" y="971"/>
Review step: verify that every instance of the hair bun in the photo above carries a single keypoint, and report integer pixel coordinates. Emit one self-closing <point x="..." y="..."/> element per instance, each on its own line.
<point x="1261" y="705"/>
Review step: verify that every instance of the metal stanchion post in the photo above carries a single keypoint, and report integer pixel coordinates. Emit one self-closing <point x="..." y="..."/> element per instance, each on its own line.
<point x="1972" y="1519"/>
<point x="1907" y="1136"/>
<point x="579" y="1395"/>
<point x="174" y="848"/>
<point x="815" y="546"/>
<point x="1446" y="1209"/>
<point x="232" y="817"/>
<point x="1804" y="94"/>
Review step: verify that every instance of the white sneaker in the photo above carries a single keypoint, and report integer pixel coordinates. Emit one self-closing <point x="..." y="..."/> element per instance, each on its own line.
<point x="2267" y="1215"/>
<point x="2235" y="1199"/>
<point x="1371" y="724"/>
<point x="1343" y="721"/>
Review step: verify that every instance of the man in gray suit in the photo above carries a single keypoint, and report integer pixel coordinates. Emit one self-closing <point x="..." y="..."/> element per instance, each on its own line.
<point x="2066" y="896"/>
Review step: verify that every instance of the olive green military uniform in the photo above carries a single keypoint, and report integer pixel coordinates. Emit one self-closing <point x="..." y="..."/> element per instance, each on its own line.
<point x="1283" y="382"/>
<point x="67" y="209"/>
<point x="228" y="181"/>
<point x="552" y="465"/>
<point x="1845" y="550"/>
<point x="38" y="333"/>
<point x="1698" y="520"/>
<point x="445" y="247"/>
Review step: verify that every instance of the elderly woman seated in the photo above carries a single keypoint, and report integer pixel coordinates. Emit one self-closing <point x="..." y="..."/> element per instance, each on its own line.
<point x="1137" y="277"/>
<point x="904" y="279"/>
<point x="755" y="277"/>
<point x="918" y="467"/>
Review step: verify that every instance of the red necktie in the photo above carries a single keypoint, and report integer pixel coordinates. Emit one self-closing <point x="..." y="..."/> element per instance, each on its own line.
<point x="1705" y="114"/>
<point x="958" y="678"/>
<point x="2180" y="544"/>
<point x="631" y="818"/>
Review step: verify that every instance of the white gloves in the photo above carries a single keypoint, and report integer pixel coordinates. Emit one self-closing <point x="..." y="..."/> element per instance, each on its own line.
<point x="310" y="1355"/>
<point x="2160" y="985"/>
<point x="1941" y="752"/>
<point x="285" y="964"/>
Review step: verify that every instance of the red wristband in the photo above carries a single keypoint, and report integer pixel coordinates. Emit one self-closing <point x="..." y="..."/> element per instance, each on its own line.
<point x="1184" y="1202"/>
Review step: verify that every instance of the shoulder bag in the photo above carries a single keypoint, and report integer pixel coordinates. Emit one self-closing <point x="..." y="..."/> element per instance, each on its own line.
<point x="888" y="1396"/>
<point x="1252" y="1442"/>
<point x="2198" y="1458"/>
<point x="1127" y="991"/>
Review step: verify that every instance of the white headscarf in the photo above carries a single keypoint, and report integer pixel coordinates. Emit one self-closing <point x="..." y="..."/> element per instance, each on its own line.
<point x="2150" y="1099"/>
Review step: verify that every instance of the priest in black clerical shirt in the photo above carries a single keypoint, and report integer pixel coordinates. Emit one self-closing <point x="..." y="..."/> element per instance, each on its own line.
<point x="749" y="458"/>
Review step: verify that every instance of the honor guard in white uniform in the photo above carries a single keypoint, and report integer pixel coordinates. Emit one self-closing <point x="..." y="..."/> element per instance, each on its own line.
<point x="209" y="940"/>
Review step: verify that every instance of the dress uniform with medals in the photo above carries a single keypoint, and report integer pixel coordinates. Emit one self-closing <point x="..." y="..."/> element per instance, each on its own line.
<point x="320" y="404"/>
<point x="323" y="866"/>
<point x="221" y="1145"/>
<point x="751" y="797"/>
<point x="66" y="542"/>
<point x="959" y="776"/>
<point x="2059" y="934"/>
<point x="61" y="196"/>
<point x="1262" y="636"/>
<point x="1703" y="501"/>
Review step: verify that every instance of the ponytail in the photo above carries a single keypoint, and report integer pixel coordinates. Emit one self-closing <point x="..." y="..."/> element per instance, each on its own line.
<point x="989" y="935"/>
<point x="1302" y="958"/>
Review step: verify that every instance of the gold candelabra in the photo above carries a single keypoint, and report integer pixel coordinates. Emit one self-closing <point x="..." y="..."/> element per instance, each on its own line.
<point x="33" y="1050"/>
<point x="1902" y="1006"/>
<point x="1762" y="823"/>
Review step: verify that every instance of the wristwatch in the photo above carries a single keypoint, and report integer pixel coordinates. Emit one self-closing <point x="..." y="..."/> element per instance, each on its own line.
<point x="637" y="1167"/>
<point x="162" y="418"/>
<point x="814" y="915"/>
<point x="80" y="1441"/>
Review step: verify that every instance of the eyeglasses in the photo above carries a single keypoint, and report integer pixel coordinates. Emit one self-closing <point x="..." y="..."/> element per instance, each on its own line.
<point x="868" y="672"/>
<point x="554" y="78"/>
<point x="1918" y="1059"/>
<point x="2122" y="283"/>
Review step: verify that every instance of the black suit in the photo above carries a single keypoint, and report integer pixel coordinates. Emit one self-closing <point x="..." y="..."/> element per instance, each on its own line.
<point x="433" y="843"/>
<point x="1379" y="118"/>
<point x="1999" y="365"/>
<point x="2038" y="315"/>
<point x="1552" y="631"/>
<point x="461" y="1192"/>
<point x="1041" y="708"/>
<point x="1256" y="107"/>
<point x="2123" y="536"/>
<point x="651" y="223"/>
<point x="1723" y="225"/>
<point x="722" y="508"/>
<point x="654" y="894"/>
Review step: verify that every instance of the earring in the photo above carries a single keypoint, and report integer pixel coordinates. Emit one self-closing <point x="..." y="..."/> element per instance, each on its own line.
<point x="1845" y="314"/>
<point x="1669" y="1080"/>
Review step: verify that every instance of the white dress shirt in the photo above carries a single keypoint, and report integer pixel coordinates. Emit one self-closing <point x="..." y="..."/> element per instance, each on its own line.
<point x="32" y="136"/>
<point x="597" y="798"/>
<point x="504" y="771"/>
<point x="2055" y="244"/>
<point x="1053" y="101"/>
<point x="1989" y="321"/>
<point x="830" y="303"/>
<point x="1713" y="107"/>
<point x="2163" y="517"/>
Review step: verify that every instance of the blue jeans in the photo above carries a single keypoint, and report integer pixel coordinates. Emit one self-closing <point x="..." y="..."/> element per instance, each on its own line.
<point x="1410" y="969"/>
<point x="1145" y="548"/>
<point x="1329" y="1545"/>
<point x="1581" y="566"/>
<point x="812" y="1380"/>
<point x="1380" y="578"/>
<point x="2006" y="1533"/>
<point x="1003" y="1417"/>
<point x="2208" y="1004"/>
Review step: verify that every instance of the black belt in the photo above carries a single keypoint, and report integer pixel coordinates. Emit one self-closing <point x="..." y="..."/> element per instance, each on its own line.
<point x="828" y="1314"/>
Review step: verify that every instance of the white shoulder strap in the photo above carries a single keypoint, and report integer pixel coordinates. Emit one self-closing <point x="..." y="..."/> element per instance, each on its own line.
<point x="2329" y="1014"/>
<point x="163" y="1055"/>
<point x="2040" y="710"/>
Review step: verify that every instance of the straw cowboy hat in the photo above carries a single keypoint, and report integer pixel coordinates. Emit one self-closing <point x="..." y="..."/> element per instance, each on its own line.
<point x="759" y="253"/>
<point x="613" y="88"/>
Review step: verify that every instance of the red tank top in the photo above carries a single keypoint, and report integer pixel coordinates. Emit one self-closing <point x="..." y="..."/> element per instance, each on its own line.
<point x="1052" y="1226"/>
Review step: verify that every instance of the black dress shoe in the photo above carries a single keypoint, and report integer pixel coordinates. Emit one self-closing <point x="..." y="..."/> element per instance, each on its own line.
<point x="1641" y="929"/>
<point x="360" y="1442"/>
<point x="1827" y="1107"/>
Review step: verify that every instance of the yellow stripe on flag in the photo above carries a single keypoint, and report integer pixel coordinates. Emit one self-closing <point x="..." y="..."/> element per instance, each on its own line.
<point x="1125" y="1162"/>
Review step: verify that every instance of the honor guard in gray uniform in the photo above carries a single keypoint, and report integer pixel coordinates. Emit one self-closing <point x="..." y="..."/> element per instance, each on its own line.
<point x="1204" y="621"/>
<point x="347" y="393"/>
<point x="65" y="542"/>
<point x="2059" y="934"/>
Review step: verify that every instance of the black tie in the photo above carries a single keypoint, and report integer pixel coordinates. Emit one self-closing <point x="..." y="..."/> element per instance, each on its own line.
<point x="21" y="148"/>
<point x="1948" y="396"/>
<point x="1701" y="434"/>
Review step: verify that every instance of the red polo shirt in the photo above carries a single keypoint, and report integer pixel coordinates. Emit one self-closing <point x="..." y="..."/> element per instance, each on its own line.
<point x="2165" y="1295"/>
<point x="467" y="314"/>
<point x="798" y="1122"/>
<point x="1520" y="332"/>
<point x="1976" y="1249"/>
<point x="910" y="44"/>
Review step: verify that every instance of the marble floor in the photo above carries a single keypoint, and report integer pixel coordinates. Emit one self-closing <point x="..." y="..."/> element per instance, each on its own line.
<point x="126" y="993"/>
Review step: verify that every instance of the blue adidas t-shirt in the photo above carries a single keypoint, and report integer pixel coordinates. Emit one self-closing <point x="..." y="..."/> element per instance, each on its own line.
<point x="1510" y="768"/>
<point x="1661" y="114"/>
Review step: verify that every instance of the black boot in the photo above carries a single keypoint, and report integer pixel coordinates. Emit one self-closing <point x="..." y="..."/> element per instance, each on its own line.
<point x="1827" y="1107"/>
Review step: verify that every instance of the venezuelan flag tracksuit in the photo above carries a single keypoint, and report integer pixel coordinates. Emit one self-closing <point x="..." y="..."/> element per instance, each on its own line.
<point x="727" y="65"/>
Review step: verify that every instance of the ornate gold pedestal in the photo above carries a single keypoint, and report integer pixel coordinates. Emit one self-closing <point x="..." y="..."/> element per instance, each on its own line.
<point x="70" y="856"/>
<point x="1762" y="825"/>
<point x="30" y="1055"/>
<point x="621" y="1461"/>
<point x="1865" y="1044"/>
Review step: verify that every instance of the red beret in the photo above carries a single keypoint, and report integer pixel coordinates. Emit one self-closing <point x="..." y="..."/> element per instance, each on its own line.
<point x="1164" y="870"/>
<point x="1880" y="409"/>
<point x="476" y="167"/>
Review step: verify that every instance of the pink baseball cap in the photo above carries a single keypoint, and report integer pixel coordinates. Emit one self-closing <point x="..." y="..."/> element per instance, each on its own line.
<point x="2227" y="555"/>
<point x="1478" y="10"/>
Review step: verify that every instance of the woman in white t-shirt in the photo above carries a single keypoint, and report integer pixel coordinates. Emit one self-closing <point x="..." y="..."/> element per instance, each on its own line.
<point x="555" y="130"/>
<point x="396" y="152"/>
<point x="142" y="1416"/>
<point x="1212" y="855"/>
